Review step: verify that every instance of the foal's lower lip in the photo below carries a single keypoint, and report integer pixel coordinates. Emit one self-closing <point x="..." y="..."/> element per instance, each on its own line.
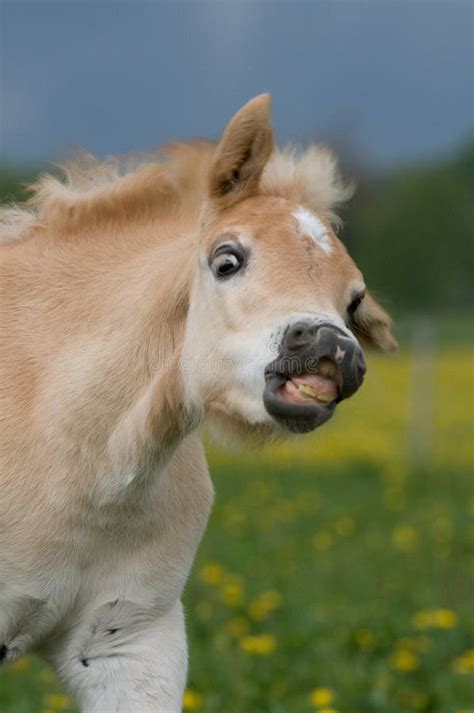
<point x="296" y="417"/>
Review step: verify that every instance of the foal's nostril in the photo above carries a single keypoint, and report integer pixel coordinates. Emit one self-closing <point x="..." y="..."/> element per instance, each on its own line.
<point x="314" y="343"/>
<point x="298" y="335"/>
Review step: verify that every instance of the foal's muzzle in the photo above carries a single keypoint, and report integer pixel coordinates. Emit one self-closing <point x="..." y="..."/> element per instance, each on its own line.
<point x="311" y="343"/>
<point x="313" y="357"/>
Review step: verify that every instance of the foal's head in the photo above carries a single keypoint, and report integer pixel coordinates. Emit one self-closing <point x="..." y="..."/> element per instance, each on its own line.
<point x="278" y="308"/>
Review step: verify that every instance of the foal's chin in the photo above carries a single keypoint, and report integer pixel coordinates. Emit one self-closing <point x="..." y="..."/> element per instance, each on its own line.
<point x="234" y="430"/>
<point x="278" y="422"/>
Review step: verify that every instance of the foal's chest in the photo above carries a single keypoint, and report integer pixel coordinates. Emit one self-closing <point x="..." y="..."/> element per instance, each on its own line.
<point x="146" y="551"/>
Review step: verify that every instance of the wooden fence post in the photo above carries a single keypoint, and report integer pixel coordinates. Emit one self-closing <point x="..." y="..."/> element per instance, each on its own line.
<point x="422" y="390"/>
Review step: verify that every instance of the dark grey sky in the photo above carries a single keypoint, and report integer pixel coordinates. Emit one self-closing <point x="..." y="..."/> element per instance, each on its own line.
<point x="392" y="76"/>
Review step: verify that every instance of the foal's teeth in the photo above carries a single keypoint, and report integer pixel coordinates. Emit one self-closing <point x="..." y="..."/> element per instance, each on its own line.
<point x="325" y="398"/>
<point x="306" y="390"/>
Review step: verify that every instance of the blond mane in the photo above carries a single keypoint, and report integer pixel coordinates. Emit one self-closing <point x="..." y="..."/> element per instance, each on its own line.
<point x="175" y="178"/>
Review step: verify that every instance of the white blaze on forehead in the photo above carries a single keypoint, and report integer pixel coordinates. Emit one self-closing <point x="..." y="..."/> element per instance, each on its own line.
<point x="310" y="225"/>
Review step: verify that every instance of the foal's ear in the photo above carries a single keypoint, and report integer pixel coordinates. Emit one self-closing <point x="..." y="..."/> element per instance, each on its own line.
<point x="372" y="326"/>
<point x="242" y="152"/>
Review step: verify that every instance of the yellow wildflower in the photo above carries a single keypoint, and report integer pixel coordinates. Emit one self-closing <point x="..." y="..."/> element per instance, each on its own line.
<point x="445" y="618"/>
<point x="265" y="604"/>
<point x="421" y="644"/>
<point x="238" y="626"/>
<point x="365" y="639"/>
<point x="260" y="645"/>
<point x="404" y="660"/>
<point x="422" y="619"/>
<point x="211" y="573"/>
<point x="465" y="663"/>
<point x="21" y="665"/>
<point x="404" y="538"/>
<point x="58" y="701"/>
<point x="435" y="619"/>
<point x="322" y="540"/>
<point x="192" y="700"/>
<point x="321" y="697"/>
<point x="232" y="594"/>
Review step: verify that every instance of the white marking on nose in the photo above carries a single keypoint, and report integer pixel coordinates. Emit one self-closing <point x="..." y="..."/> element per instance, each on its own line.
<point x="340" y="354"/>
<point x="309" y="224"/>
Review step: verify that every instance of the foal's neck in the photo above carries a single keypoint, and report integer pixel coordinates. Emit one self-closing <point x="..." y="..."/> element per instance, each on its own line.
<point x="157" y="300"/>
<point x="131" y="414"/>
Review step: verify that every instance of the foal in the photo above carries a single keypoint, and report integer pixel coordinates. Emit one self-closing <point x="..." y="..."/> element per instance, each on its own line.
<point x="134" y="306"/>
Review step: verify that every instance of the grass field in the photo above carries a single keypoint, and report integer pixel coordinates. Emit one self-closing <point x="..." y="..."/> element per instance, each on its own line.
<point x="337" y="572"/>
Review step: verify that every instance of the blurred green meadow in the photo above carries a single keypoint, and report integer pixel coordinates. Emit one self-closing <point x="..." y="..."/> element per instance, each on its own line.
<point x="337" y="571"/>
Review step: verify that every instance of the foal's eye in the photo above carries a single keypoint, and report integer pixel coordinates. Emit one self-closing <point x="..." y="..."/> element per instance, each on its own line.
<point x="227" y="263"/>
<point x="354" y="304"/>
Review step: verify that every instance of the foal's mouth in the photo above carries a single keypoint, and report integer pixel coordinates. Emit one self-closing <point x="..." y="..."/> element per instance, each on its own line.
<point x="302" y="401"/>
